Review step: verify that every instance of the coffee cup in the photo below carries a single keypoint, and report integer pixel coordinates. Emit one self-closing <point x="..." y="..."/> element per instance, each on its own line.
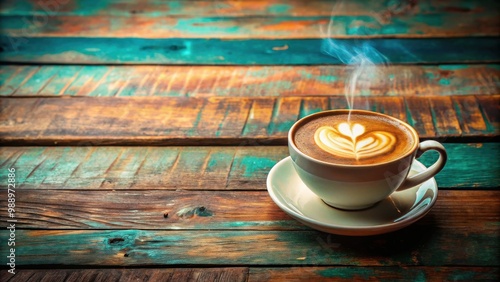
<point x="353" y="159"/>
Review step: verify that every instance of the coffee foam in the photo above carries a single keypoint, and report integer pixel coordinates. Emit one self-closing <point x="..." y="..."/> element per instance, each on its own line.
<point x="365" y="139"/>
<point x="349" y="140"/>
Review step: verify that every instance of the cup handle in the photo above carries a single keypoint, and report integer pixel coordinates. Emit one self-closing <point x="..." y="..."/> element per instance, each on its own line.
<point x="427" y="174"/>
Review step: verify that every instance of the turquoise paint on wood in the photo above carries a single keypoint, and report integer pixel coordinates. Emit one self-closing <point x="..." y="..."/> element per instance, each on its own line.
<point x="285" y="113"/>
<point x="305" y="112"/>
<point x="486" y="256"/>
<point x="311" y="106"/>
<point x="280" y="224"/>
<point x="279" y="8"/>
<point x="36" y="10"/>
<point x="210" y="167"/>
<point x="280" y="128"/>
<point x="86" y="81"/>
<point x="143" y="247"/>
<point x="6" y="72"/>
<point x="157" y="8"/>
<point x="191" y="160"/>
<point x="123" y="167"/>
<point x="87" y="173"/>
<point x="347" y="273"/>
<point x="457" y="67"/>
<point x="228" y="52"/>
<point x="110" y="83"/>
<point x="416" y="274"/>
<point x="60" y="81"/>
<point x="463" y="275"/>
<point x="38" y="81"/>
<point x="10" y="85"/>
<point x="157" y="161"/>
<point x="258" y="81"/>
<point x="210" y="24"/>
<point x="66" y="164"/>
<point x="444" y="81"/>
<point x="250" y="165"/>
<point x="24" y="165"/>
<point x="219" y="159"/>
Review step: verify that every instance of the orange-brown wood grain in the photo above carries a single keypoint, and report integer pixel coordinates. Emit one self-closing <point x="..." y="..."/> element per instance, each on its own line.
<point x="215" y="120"/>
<point x="214" y="210"/>
<point x="256" y="19"/>
<point x="254" y="273"/>
<point x="343" y="273"/>
<point x="490" y="110"/>
<point x="444" y="80"/>
<point x="467" y="108"/>
<point x="235" y="274"/>
<point x="421" y="116"/>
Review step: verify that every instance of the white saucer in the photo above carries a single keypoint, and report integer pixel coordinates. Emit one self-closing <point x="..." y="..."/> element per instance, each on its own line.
<point x="399" y="210"/>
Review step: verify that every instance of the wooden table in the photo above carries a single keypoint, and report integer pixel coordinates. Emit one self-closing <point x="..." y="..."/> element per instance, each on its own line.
<point x="142" y="134"/>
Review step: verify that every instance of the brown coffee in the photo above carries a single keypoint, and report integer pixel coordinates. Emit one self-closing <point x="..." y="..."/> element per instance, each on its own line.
<point x="358" y="140"/>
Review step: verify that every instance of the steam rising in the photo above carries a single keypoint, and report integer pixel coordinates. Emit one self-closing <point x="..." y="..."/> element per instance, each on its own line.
<point x="360" y="55"/>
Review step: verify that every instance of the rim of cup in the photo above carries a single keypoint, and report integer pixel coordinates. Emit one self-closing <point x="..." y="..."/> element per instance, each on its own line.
<point x="291" y="141"/>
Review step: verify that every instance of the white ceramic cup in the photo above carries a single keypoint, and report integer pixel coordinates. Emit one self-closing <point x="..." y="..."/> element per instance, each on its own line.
<point x="354" y="187"/>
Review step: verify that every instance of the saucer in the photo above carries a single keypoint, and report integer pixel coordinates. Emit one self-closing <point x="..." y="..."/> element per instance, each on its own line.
<point x="397" y="211"/>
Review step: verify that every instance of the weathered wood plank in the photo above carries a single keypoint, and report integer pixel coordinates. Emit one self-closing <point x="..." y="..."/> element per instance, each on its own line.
<point x="154" y="8"/>
<point x="14" y="77"/>
<point x="257" y="274"/>
<point x="469" y="109"/>
<point x="444" y="120"/>
<point x="420" y="115"/>
<point x="416" y="245"/>
<point x="128" y="274"/>
<point x="253" y="26"/>
<point x="197" y="51"/>
<point x="342" y="273"/>
<point x="236" y="19"/>
<point x="230" y="8"/>
<point x="214" y="210"/>
<point x="220" y="120"/>
<point x="202" y="168"/>
<point x="442" y="80"/>
<point x="490" y="110"/>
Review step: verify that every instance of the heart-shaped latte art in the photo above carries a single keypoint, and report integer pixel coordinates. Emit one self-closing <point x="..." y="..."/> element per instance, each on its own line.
<point x="351" y="141"/>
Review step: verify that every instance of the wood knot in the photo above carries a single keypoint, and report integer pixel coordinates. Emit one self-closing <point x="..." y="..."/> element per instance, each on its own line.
<point x="116" y="240"/>
<point x="194" y="211"/>
<point x="445" y="73"/>
<point x="176" y="47"/>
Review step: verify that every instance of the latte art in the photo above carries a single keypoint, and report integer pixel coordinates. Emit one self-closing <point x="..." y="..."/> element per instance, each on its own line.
<point x="351" y="141"/>
<point x="364" y="138"/>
